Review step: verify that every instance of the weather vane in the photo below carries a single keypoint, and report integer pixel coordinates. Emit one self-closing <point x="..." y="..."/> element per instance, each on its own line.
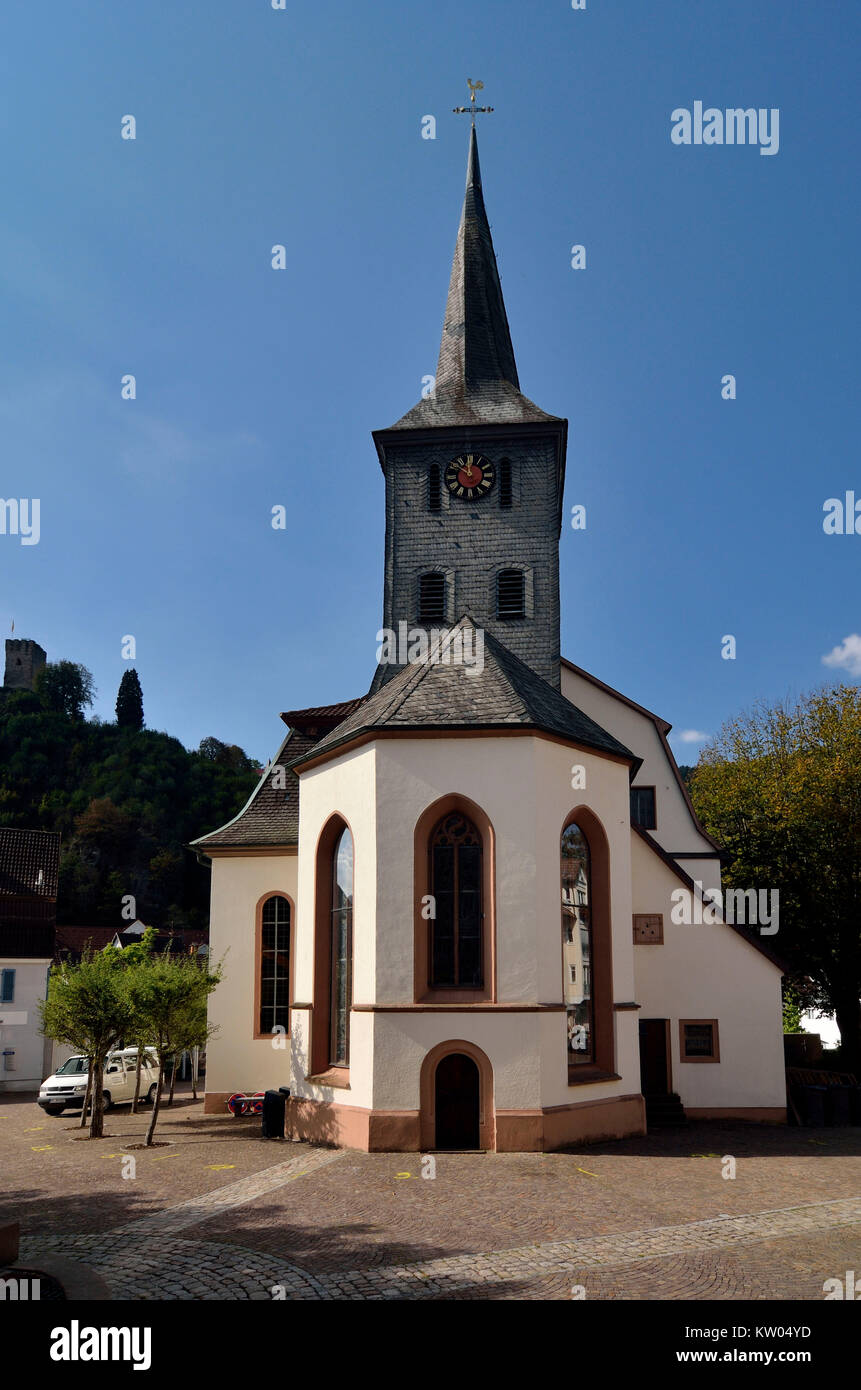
<point x="472" y="108"/>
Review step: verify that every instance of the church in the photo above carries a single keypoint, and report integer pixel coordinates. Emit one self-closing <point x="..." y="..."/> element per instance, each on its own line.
<point x="445" y="911"/>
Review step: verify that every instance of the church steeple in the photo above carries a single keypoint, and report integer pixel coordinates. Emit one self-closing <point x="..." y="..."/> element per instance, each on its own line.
<point x="476" y="352"/>
<point x="489" y="547"/>
<point x="476" y="378"/>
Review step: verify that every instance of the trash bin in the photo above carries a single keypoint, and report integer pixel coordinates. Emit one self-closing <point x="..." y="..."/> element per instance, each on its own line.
<point x="274" y="1110"/>
<point x="812" y="1104"/>
<point x="837" y="1105"/>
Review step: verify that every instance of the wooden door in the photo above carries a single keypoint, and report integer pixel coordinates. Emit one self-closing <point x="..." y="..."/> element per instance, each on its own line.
<point x="457" y="1102"/>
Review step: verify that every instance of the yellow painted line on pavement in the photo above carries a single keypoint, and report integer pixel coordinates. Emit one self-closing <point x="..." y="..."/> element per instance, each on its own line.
<point x="161" y="1158"/>
<point x="40" y="1149"/>
<point x="219" y="1167"/>
<point x="588" y="1174"/>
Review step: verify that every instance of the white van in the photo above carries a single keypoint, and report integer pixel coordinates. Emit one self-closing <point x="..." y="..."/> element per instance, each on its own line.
<point x="68" y="1085"/>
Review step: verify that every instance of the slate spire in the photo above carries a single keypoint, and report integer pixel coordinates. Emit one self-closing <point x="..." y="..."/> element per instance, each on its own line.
<point x="476" y="351"/>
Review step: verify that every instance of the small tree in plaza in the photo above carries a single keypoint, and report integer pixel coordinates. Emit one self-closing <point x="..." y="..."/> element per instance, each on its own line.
<point x="88" y="1008"/>
<point x="137" y="953"/>
<point x="168" y="997"/>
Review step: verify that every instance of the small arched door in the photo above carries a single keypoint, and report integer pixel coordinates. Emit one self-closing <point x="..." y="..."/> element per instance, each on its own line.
<point x="457" y="1102"/>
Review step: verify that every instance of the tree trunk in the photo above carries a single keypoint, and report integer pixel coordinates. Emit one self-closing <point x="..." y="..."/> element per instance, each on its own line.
<point x="137" y="1082"/>
<point x="156" y="1103"/>
<point x="87" y="1095"/>
<point x="97" y="1123"/>
<point x="194" y="1059"/>
<point x="848" y="1010"/>
<point x="173" y="1077"/>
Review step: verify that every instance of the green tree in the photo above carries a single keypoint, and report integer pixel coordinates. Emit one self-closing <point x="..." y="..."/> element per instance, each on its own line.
<point x="88" y="1009"/>
<point x="126" y="804"/>
<point x="130" y="714"/>
<point x="791" y="1011"/>
<point x="779" y="789"/>
<point x="166" y="996"/>
<point x="66" y="687"/>
<point x="136" y="956"/>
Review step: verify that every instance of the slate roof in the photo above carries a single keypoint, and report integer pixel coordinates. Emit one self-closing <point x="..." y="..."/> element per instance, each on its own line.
<point x="29" y="862"/>
<point x="443" y="695"/>
<point x="476" y="376"/>
<point x="270" y="816"/>
<point x="437" y="695"/>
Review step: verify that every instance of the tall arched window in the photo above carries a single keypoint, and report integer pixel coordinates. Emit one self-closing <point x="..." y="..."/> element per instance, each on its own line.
<point x="274" y="1013"/>
<point x="577" y="953"/>
<point x="456" y="937"/>
<point x="341" y="989"/>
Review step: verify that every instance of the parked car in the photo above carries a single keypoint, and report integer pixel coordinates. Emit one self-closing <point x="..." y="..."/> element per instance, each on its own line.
<point x="66" y="1089"/>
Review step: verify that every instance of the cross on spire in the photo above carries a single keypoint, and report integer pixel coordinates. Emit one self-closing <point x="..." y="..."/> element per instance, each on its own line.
<point x="472" y="108"/>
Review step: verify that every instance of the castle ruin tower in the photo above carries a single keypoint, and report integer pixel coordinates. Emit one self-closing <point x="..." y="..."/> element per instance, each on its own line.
<point x="24" y="661"/>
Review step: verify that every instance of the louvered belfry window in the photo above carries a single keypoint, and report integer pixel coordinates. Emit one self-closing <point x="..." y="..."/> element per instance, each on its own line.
<point x="431" y="597"/>
<point x="510" y="594"/>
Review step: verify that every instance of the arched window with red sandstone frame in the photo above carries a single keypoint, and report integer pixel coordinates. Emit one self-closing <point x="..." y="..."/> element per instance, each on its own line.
<point x="456" y="885"/>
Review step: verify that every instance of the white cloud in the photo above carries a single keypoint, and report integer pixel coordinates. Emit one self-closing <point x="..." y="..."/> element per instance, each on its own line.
<point x="691" y="736"/>
<point x="846" y="656"/>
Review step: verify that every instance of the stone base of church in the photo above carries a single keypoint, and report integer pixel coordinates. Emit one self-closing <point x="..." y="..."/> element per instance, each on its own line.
<point x="514" y="1131"/>
<point x="558" y="1126"/>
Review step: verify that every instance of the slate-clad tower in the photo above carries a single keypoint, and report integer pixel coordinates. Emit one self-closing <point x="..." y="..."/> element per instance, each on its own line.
<point x="493" y="553"/>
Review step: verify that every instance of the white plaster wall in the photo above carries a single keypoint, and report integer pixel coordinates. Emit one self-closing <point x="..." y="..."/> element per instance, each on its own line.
<point x="344" y="786"/>
<point x="523" y="785"/>
<point x="31" y="977"/>
<point x="710" y="972"/>
<point x="235" y="1060"/>
<point x="676" y="832"/>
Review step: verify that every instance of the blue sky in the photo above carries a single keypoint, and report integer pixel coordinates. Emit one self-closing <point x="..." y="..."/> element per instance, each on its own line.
<point x="257" y="387"/>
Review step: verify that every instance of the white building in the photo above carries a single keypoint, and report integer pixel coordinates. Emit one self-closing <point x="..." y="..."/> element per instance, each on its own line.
<point x="29" y="862"/>
<point x="394" y="903"/>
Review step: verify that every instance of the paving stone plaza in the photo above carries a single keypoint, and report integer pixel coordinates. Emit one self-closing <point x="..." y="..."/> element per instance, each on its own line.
<point x="215" y="1212"/>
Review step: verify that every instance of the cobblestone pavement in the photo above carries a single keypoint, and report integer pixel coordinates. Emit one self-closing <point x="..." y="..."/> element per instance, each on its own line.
<point x="212" y="1215"/>
<point x="136" y="1266"/>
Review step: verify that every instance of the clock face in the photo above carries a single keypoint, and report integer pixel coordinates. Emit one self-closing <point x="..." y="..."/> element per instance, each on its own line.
<point x="469" y="477"/>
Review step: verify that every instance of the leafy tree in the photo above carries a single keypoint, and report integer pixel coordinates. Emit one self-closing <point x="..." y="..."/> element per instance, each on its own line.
<point x="779" y="789"/>
<point x="791" y="1011"/>
<point x="88" y="1009"/>
<point x="130" y="713"/>
<point x="166" y="994"/>
<point x="67" y="687"/>
<point x="126" y="804"/>
<point x="225" y="754"/>
<point x="136" y="956"/>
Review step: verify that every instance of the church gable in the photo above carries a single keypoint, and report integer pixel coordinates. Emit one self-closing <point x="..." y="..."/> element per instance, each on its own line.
<point x="675" y="827"/>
